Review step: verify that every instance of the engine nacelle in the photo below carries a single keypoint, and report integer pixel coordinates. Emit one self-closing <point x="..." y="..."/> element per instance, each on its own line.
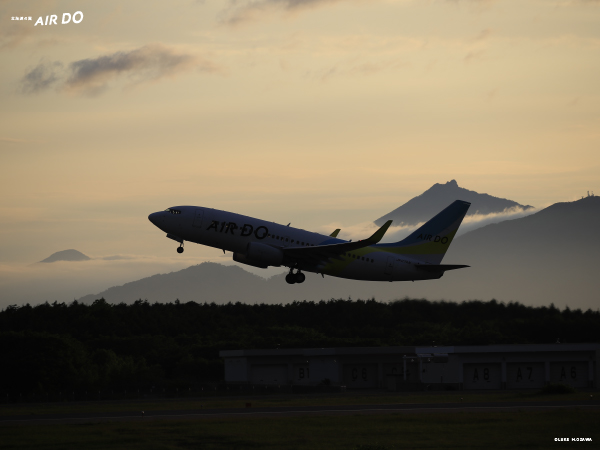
<point x="260" y="255"/>
<point x="241" y="258"/>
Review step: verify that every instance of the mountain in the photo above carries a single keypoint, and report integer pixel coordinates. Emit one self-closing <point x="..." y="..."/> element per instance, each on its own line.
<point x="547" y="257"/>
<point x="212" y="282"/>
<point x="206" y="282"/>
<point x="437" y="197"/>
<point x="66" y="255"/>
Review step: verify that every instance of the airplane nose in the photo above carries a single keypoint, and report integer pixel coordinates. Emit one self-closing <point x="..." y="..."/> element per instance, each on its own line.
<point x="153" y="218"/>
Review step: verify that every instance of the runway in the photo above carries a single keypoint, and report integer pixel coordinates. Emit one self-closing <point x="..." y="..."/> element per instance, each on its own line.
<point x="242" y="413"/>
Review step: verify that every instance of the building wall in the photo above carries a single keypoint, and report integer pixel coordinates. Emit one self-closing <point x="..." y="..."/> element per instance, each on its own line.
<point x="236" y="369"/>
<point x="525" y="375"/>
<point x="269" y="374"/>
<point x="482" y="376"/>
<point x="467" y="367"/>
<point x="361" y="375"/>
<point x="573" y="373"/>
<point x="448" y="372"/>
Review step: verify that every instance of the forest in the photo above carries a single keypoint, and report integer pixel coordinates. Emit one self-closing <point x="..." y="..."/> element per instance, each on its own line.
<point x="53" y="348"/>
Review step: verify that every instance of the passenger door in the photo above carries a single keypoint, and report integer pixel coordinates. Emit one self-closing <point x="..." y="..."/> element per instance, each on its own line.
<point x="199" y="214"/>
<point x="389" y="266"/>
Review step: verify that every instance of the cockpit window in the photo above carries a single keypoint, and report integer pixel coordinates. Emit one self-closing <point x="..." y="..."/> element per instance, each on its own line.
<point x="173" y="211"/>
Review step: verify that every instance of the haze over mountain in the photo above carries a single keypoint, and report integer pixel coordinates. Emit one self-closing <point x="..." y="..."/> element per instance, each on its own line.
<point x="423" y="207"/>
<point x="547" y="257"/>
<point x="66" y="255"/>
<point x="208" y="281"/>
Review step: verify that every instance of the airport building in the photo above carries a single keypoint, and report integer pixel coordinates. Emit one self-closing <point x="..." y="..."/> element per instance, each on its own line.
<point x="529" y="366"/>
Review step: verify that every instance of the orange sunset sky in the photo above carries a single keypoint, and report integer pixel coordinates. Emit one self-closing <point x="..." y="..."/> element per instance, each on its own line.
<point x="317" y="112"/>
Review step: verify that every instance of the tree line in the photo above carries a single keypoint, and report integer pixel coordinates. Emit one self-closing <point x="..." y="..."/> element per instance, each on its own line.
<point x="58" y="347"/>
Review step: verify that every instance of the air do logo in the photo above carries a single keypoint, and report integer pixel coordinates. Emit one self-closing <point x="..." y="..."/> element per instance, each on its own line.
<point x="432" y="238"/>
<point x="76" y="17"/>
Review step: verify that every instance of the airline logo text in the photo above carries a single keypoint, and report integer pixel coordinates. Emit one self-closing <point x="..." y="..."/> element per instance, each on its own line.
<point x="246" y="230"/>
<point x="428" y="237"/>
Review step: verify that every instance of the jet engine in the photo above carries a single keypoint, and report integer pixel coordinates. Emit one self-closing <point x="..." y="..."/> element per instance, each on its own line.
<point x="260" y="255"/>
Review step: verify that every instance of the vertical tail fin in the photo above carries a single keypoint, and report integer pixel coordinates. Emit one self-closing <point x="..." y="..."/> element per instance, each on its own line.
<point x="430" y="242"/>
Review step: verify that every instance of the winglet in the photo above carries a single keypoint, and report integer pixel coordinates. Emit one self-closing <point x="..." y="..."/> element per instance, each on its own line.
<point x="335" y="233"/>
<point x="378" y="235"/>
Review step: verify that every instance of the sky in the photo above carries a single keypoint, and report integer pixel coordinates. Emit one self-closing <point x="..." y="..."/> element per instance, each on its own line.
<point x="317" y="112"/>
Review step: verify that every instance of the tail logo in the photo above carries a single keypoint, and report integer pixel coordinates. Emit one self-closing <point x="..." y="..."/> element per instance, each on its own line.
<point x="428" y="237"/>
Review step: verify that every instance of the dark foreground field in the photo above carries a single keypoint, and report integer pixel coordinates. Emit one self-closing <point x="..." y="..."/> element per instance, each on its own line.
<point x="373" y="431"/>
<point x="519" y="427"/>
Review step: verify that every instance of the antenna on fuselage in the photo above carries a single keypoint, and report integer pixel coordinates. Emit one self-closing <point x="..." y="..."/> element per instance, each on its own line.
<point x="288" y="224"/>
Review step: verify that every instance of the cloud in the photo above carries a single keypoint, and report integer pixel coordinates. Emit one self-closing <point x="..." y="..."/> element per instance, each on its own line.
<point x="365" y="68"/>
<point x="483" y="35"/>
<point x="42" y="77"/>
<point x="92" y="76"/>
<point x="473" y="56"/>
<point x="250" y="10"/>
<point x="397" y="233"/>
<point x="148" y="63"/>
<point x="475" y="221"/>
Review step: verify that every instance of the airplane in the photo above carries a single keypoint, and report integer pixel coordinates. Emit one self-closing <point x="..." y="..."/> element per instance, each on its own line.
<point x="260" y="243"/>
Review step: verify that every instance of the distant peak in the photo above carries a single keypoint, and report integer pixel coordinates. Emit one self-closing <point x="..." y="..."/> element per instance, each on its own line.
<point x="66" y="255"/>
<point x="426" y="205"/>
<point x="452" y="184"/>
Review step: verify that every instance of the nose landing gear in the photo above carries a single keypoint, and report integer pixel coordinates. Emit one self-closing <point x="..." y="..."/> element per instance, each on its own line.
<point x="297" y="277"/>
<point x="180" y="248"/>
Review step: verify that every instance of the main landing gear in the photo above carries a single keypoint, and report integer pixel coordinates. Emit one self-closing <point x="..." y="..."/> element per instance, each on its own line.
<point x="297" y="277"/>
<point x="180" y="248"/>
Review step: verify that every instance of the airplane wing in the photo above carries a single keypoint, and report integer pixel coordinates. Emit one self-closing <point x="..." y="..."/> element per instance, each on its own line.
<point x="317" y="253"/>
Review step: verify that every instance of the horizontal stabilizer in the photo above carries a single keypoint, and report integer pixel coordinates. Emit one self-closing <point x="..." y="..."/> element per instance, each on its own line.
<point x="439" y="267"/>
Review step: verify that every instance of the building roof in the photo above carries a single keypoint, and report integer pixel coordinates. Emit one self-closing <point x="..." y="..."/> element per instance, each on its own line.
<point x="411" y="350"/>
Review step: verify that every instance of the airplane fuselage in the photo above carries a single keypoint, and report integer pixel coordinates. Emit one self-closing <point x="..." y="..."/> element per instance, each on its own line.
<point x="240" y="234"/>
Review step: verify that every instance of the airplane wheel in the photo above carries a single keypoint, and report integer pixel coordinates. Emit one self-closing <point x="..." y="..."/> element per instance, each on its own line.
<point x="179" y="249"/>
<point x="299" y="277"/>
<point x="290" y="278"/>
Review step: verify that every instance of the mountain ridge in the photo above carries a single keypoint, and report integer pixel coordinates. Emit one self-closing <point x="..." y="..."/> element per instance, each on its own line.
<point x="426" y="205"/>
<point x="66" y="255"/>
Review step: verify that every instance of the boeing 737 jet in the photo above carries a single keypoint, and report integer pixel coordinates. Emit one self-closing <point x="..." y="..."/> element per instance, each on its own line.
<point x="262" y="244"/>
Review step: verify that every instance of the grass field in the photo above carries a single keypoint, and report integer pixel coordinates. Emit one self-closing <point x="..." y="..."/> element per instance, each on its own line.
<point x="338" y="399"/>
<point x="531" y="430"/>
